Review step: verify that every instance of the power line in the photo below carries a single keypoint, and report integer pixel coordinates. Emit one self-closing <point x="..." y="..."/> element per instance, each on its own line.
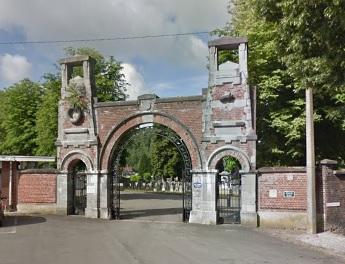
<point x="105" y="39"/>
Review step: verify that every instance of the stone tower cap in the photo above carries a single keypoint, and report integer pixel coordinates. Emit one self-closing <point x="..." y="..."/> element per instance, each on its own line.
<point x="76" y="60"/>
<point x="226" y="43"/>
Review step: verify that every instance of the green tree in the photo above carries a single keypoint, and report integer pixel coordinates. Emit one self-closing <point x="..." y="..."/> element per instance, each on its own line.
<point x="2" y="115"/>
<point x="231" y="164"/>
<point x="20" y="103"/>
<point x="46" y="118"/>
<point x="279" y="66"/>
<point x="110" y="82"/>
<point x="312" y="46"/>
<point x="147" y="177"/>
<point x="138" y="152"/>
<point x="148" y="153"/>
<point x="144" y="164"/>
<point x="165" y="159"/>
<point x="135" y="178"/>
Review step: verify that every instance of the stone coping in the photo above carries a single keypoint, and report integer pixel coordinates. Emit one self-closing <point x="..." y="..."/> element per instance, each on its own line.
<point x="280" y="210"/>
<point x="328" y="162"/>
<point x="76" y="60"/>
<point x="282" y="169"/>
<point x="158" y="100"/>
<point x="39" y="171"/>
<point x="201" y="171"/>
<point x="339" y="172"/>
<point x="227" y="42"/>
<point x="27" y="158"/>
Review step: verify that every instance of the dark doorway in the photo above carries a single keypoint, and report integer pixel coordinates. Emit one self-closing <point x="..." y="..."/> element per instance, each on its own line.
<point x="79" y="188"/>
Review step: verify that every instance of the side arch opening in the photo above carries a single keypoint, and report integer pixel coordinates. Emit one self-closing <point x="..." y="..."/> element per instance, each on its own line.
<point x="76" y="194"/>
<point x="228" y="190"/>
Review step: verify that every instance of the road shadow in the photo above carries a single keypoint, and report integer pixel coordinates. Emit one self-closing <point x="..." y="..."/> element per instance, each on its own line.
<point x="15" y="220"/>
<point x="130" y="214"/>
<point x="149" y="196"/>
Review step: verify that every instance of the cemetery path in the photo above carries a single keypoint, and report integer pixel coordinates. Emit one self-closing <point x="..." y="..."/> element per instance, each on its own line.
<point x="74" y="239"/>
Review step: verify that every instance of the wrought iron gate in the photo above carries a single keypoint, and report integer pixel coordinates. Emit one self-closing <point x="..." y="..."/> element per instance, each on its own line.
<point x="186" y="174"/>
<point x="228" y="192"/>
<point x="79" y="193"/>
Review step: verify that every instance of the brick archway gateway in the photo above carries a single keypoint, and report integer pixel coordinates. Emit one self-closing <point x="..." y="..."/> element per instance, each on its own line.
<point x="220" y="121"/>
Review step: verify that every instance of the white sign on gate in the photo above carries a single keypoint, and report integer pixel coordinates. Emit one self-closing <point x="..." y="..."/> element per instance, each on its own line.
<point x="91" y="189"/>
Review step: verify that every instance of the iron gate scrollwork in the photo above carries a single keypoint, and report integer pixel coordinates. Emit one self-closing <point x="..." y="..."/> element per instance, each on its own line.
<point x="229" y="197"/>
<point x="186" y="174"/>
<point x="79" y="193"/>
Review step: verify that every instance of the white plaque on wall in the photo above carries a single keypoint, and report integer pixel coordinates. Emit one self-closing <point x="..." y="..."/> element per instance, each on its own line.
<point x="93" y="179"/>
<point x="334" y="204"/>
<point x="272" y="193"/>
<point x="290" y="177"/>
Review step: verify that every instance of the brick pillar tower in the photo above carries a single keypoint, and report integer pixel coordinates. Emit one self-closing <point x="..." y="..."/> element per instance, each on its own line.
<point x="229" y="112"/>
<point x="77" y="122"/>
<point x="77" y="135"/>
<point x="228" y="130"/>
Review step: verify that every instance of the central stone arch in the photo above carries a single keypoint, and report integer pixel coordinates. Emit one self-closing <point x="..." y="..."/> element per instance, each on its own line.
<point x="149" y="117"/>
<point x="114" y="167"/>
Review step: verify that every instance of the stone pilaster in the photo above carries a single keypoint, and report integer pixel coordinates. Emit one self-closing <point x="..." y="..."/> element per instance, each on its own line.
<point x="249" y="216"/>
<point x="204" y="197"/>
<point x="104" y="195"/>
<point x="91" y="209"/>
<point x="61" y="194"/>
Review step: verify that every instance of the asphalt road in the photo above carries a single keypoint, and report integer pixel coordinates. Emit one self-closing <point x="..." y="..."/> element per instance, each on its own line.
<point x="149" y="206"/>
<point x="74" y="239"/>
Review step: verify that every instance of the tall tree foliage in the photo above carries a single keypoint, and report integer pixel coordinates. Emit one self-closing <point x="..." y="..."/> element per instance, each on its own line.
<point x="20" y="103"/>
<point x="138" y="152"/>
<point x="293" y="44"/>
<point x="46" y="118"/>
<point x="165" y="159"/>
<point x="151" y="153"/>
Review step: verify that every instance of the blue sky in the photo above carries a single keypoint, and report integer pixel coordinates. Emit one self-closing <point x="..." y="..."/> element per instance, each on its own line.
<point x="174" y="66"/>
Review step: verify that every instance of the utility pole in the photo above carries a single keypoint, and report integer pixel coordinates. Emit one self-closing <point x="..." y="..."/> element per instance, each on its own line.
<point x="310" y="145"/>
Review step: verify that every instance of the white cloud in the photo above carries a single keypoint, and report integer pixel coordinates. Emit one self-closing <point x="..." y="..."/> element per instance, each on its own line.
<point x="14" y="68"/>
<point x="65" y="19"/>
<point x="188" y="86"/>
<point x="135" y="79"/>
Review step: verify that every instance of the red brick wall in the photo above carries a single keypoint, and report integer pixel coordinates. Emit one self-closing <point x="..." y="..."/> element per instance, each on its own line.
<point x="37" y="186"/>
<point x="334" y="196"/>
<point x="330" y="193"/>
<point x="5" y="174"/>
<point x="223" y="113"/>
<point x="282" y="179"/>
<point x="186" y="112"/>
